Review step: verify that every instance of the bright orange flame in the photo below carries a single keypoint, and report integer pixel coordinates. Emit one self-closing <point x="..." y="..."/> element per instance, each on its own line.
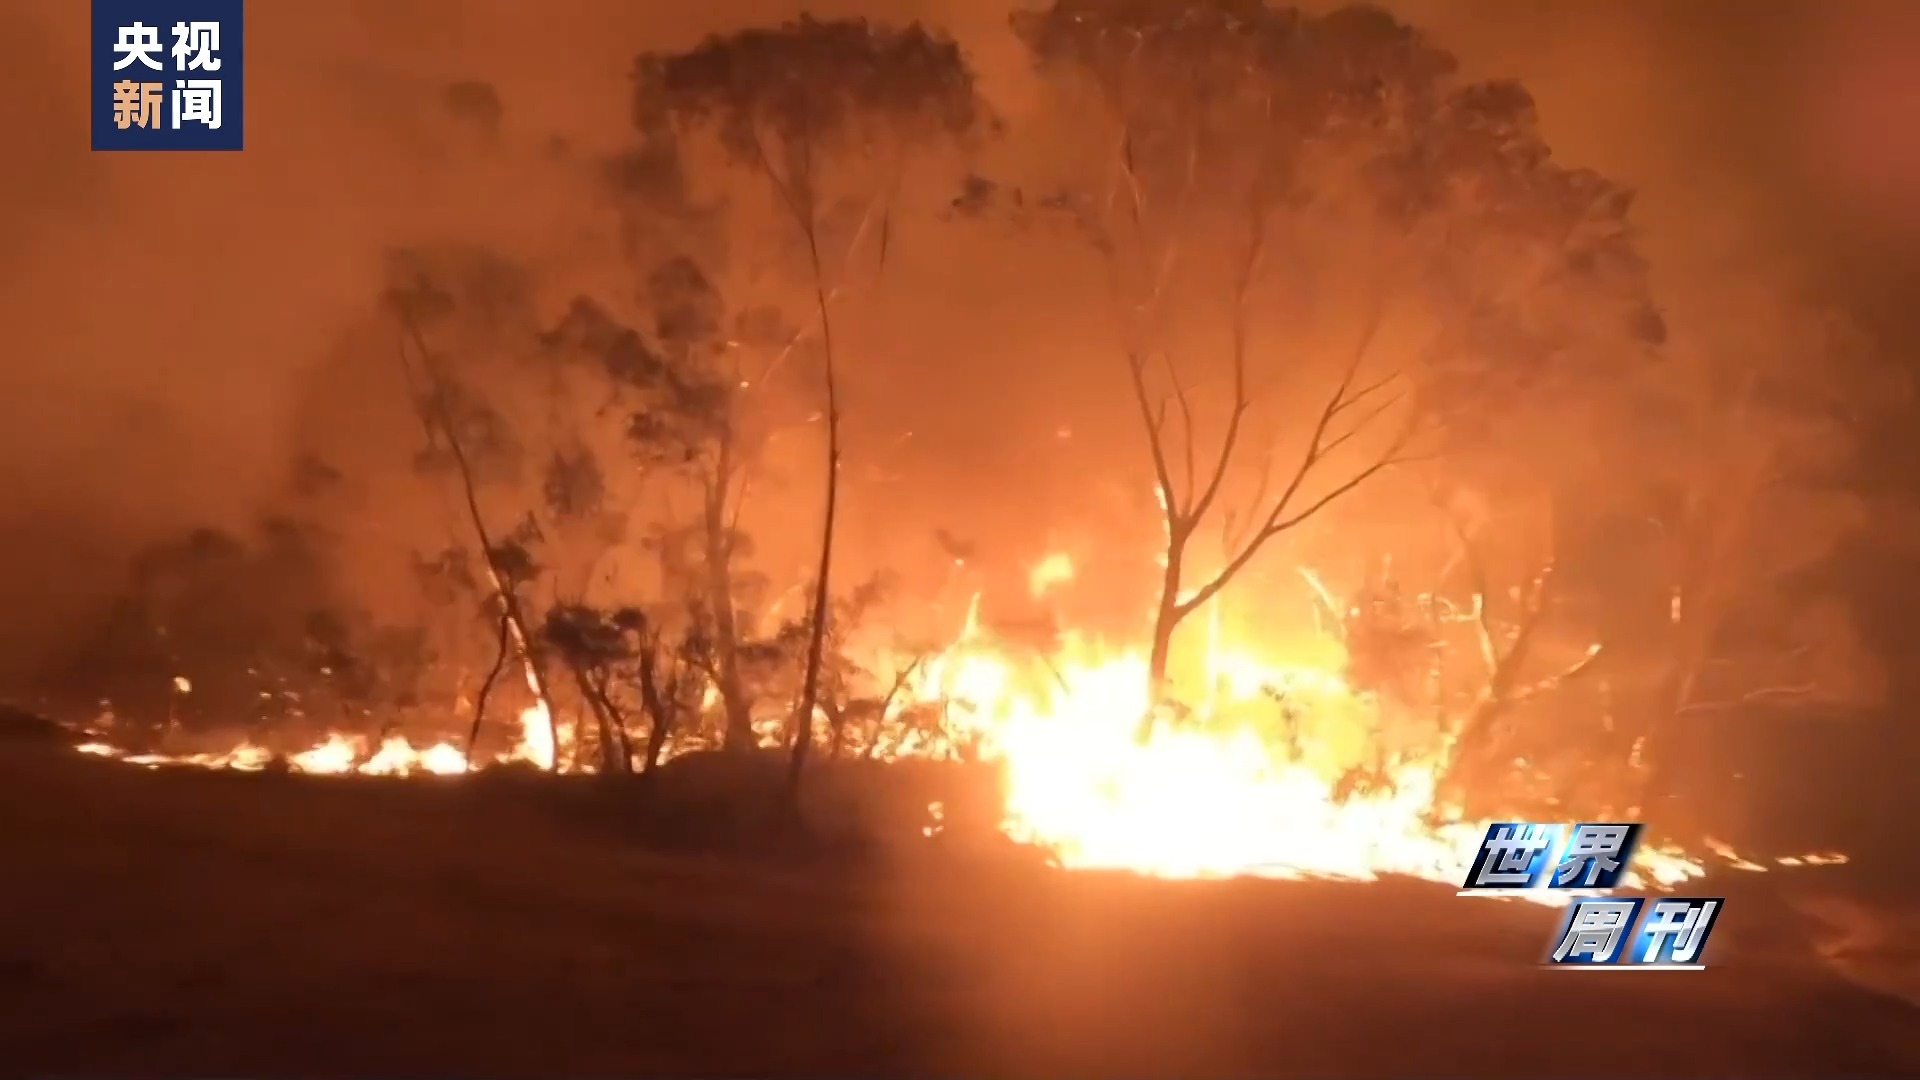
<point x="1201" y="800"/>
<point x="336" y="755"/>
<point x="1055" y="569"/>
<point x="536" y="737"/>
<point x="1219" y="793"/>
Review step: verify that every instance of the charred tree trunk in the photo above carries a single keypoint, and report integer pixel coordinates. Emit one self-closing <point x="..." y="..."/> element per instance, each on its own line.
<point x="486" y="687"/>
<point x="738" y="734"/>
<point x="607" y="720"/>
<point x="531" y="660"/>
<point x="624" y="741"/>
<point x="1475" y="739"/>
<point x="1166" y="619"/>
<point x="816" y="634"/>
<point x="660" y="709"/>
<point x="1187" y="502"/>
<point x="511" y="611"/>
<point x="1475" y="736"/>
<point x="817" y="630"/>
<point x="1650" y="749"/>
<point x="657" y="735"/>
<point x="836" y="730"/>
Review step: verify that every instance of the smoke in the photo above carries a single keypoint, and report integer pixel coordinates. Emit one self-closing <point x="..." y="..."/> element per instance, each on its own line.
<point x="168" y="315"/>
<point x="1773" y="133"/>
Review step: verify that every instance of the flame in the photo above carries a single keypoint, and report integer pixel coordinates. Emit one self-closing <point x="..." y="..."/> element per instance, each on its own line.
<point x="1222" y="791"/>
<point x="537" y="728"/>
<point x="1055" y="569"/>
<point x="536" y="737"/>
<point x="1204" y="800"/>
<point x="340" y="754"/>
<point x="397" y="757"/>
<point x="336" y="755"/>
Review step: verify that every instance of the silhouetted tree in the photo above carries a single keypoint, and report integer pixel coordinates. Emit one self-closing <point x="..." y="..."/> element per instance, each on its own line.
<point x="721" y="437"/>
<point x="1750" y="440"/>
<point x="596" y="646"/>
<point x="1433" y="264"/>
<point x="825" y="113"/>
<point x="244" y="628"/>
<point x="467" y="434"/>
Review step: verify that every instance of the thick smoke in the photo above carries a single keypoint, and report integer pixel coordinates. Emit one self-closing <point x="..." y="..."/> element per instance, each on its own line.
<point x="168" y="316"/>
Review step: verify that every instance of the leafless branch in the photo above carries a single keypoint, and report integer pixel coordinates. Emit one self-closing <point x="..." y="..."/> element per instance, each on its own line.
<point x="435" y="409"/>
<point x="788" y="194"/>
<point x="1555" y="682"/>
<point x="1335" y="402"/>
<point x="1752" y="697"/>
<point x="1469" y="556"/>
<point x="1357" y="396"/>
<point x="1327" y="609"/>
<point x="1162" y="474"/>
<point x="1242" y="400"/>
<point x="1169" y="255"/>
<point x="1232" y="535"/>
<point x="1278" y="521"/>
<point x="1136" y="199"/>
<point x="1365" y="420"/>
<point x="1181" y="398"/>
<point x="486" y="686"/>
<point x="1381" y="464"/>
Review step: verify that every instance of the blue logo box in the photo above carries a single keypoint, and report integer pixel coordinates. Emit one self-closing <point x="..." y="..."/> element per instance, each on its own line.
<point x="169" y="74"/>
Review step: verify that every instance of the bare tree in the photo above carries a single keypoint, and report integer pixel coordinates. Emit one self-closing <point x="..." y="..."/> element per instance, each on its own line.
<point x="723" y="355"/>
<point x="243" y="627"/>
<point x="840" y="672"/>
<point x="592" y="645"/>
<point x="810" y="108"/>
<point x="625" y="661"/>
<point x="666" y="673"/>
<point x="721" y="360"/>
<point x="532" y="416"/>
<point x="1511" y="663"/>
<point x="1339" y="146"/>
<point x="1754" y="432"/>
<point x="500" y="651"/>
<point x="433" y="392"/>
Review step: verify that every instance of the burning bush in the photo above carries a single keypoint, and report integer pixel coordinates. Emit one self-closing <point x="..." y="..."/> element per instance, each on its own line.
<point x="1344" y="279"/>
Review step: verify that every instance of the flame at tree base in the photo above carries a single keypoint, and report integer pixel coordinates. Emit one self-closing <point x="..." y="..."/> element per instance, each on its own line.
<point x="1228" y="790"/>
<point x="341" y="754"/>
<point x="1209" y="795"/>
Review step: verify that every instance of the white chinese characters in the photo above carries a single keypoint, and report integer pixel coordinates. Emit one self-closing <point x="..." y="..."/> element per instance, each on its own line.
<point x="194" y="44"/>
<point x="193" y="102"/>
<point x="196" y="101"/>
<point x="136" y="45"/>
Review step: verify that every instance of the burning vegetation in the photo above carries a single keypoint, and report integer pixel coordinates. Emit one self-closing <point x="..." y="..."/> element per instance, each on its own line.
<point x="1445" y="516"/>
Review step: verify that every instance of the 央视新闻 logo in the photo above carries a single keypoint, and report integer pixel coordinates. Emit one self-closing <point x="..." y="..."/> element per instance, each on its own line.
<point x="168" y="75"/>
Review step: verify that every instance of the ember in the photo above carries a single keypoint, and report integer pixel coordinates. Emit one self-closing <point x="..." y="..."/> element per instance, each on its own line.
<point x="1220" y="794"/>
<point x="1062" y="537"/>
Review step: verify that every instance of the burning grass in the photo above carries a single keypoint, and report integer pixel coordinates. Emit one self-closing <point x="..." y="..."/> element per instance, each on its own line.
<point x="919" y="957"/>
<point x="192" y="920"/>
<point x="1271" y="775"/>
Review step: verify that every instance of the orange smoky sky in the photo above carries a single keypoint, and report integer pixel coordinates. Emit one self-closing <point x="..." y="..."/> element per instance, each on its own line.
<point x="167" y="315"/>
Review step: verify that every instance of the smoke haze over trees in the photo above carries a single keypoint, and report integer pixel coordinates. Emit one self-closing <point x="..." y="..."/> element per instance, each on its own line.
<point x="253" y="391"/>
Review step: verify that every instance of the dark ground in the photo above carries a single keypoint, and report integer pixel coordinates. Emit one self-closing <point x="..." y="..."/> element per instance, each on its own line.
<point x="184" y="922"/>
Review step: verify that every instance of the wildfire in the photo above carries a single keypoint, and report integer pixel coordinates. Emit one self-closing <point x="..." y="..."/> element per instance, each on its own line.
<point x="1205" y="799"/>
<point x="340" y="754"/>
<point x="1229" y="790"/>
<point x="1053" y="570"/>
